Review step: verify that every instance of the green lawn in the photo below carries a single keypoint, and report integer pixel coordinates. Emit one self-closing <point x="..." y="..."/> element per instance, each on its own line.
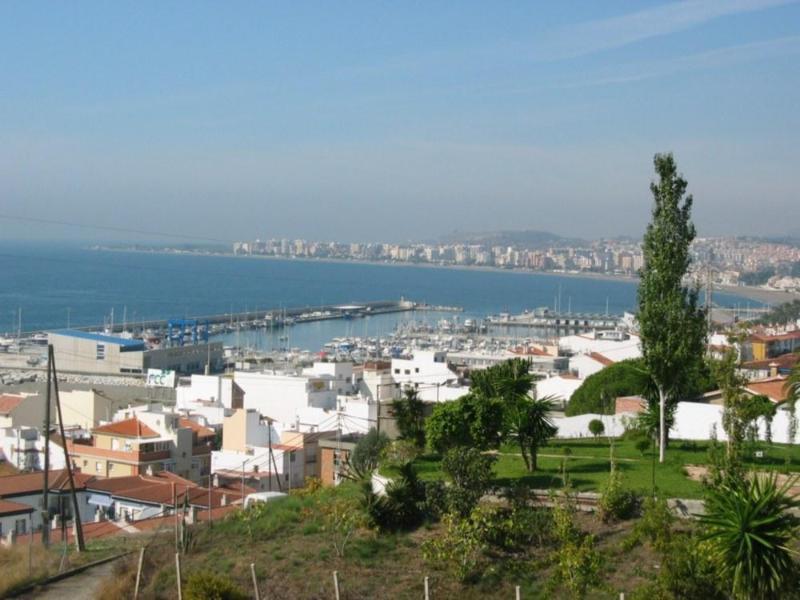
<point x="588" y="465"/>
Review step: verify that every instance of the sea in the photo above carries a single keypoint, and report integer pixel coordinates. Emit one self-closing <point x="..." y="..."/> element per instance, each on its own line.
<point x="58" y="285"/>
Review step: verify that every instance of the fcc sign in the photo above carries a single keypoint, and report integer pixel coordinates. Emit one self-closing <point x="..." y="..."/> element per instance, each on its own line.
<point x="160" y="378"/>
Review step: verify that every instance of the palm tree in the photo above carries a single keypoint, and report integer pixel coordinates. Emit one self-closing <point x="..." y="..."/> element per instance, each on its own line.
<point x="529" y="420"/>
<point x="526" y="417"/>
<point x="409" y="416"/>
<point x="748" y="528"/>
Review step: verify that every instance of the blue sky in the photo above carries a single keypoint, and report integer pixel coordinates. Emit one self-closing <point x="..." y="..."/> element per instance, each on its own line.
<point x="396" y="121"/>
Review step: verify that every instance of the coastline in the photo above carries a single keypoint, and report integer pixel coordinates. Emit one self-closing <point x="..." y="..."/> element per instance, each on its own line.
<point x="757" y="294"/>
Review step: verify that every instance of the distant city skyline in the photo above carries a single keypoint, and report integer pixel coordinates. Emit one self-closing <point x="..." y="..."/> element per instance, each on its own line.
<point x="392" y="123"/>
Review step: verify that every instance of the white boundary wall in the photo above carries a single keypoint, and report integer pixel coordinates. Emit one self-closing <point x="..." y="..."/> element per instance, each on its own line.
<point x="693" y="421"/>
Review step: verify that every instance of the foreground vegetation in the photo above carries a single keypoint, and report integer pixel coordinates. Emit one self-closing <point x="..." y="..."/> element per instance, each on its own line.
<point x="22" y="565"/>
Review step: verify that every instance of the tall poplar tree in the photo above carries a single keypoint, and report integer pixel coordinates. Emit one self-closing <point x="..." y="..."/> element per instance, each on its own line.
<point x="671" y="323"/>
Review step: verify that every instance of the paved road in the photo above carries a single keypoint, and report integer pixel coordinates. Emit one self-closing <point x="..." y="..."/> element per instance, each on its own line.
<point x="84" y="585"/>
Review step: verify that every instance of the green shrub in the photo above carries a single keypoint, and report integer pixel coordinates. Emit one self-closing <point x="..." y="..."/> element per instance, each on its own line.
<point x="459" y="549"/>
<point x="404" y="505"/>
<point x="655" y="524"/>
<point x="596" y="427"/>
<point x="471" y="473"/>
<point x="208" y="586"/>
<point x="615" y="502"/>
<point x="578" y="565"/>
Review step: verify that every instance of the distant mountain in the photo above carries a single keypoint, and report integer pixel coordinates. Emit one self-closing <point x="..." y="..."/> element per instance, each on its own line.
<point x="520" y="239"/>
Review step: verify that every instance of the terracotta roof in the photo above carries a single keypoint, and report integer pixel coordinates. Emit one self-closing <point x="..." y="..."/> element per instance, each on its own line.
<point x="128" y="428"/>
<point x="603" y="360"/>
<point x="784" y="361"/>
<point x="31" y="483"/>
<point x="773" y="388"/>
<point x="760" y="337"/>
<point x="9" y="402"/>
<point x="158" y="489"/>
<point x="202" y="430"/>
<point x="12" y="508"/>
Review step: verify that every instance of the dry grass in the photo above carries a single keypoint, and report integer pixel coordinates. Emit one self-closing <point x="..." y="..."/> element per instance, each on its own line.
<point x="14" y="570"/>
<point x="123" y="581"/>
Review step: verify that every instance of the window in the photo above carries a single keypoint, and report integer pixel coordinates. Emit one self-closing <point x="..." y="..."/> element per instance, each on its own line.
<point x="101" y="352"/>
<point x="128" y="447"/>
<point x="408" y="371"/>
<point x="397" y="371"/>
<point x="114" y="444"/>
<point x="98" y="467"/>
<point x="110" y="467"/>
<point x="85" y="463"/>
<point x="416" y="370"/>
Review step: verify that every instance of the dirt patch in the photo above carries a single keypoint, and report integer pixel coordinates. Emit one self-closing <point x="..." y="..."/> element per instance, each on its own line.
<point x="700" y="473"/>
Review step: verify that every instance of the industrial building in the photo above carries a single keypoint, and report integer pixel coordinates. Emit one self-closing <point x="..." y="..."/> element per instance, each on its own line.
<point x="87" y="352"/>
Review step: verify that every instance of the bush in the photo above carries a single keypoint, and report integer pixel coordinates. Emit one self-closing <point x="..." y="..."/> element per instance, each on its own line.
<point x="471" y="473"/>
<point x="596" y="427"/>
<point x="208" y="586"/>
<point x="615" y="502"/>
<point x="460" y="548"/>
<point x="597" y="393"/>
<point x="364" y="458"/>
<point x="470" y="421"/>
<point x="655" y="524"/>
<point x="577" y="561"/>
<point x="404" y="505"/>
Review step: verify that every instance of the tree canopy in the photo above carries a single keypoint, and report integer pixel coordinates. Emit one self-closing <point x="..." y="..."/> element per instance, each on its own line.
<point x="671" y="323"/>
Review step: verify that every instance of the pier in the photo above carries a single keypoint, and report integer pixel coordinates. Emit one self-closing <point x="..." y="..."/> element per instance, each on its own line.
<point x="277" y="317"/>
<point x="557" y="323"/>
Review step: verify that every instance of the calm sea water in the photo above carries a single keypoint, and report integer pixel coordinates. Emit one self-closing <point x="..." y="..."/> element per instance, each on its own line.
<point x="59" y="284"/>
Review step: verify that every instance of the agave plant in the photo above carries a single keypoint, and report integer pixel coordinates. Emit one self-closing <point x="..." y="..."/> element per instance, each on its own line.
<point x="748" y="530"/>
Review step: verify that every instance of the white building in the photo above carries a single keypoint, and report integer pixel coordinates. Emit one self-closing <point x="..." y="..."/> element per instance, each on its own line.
<point x="208" y="398"/>
<point x="253" y="453"/>
<point x="22" y="410"/>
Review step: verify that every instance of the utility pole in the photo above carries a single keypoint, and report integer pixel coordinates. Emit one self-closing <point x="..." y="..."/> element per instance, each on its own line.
<point x="46" y="458"/>
<point x="76" y="514"/>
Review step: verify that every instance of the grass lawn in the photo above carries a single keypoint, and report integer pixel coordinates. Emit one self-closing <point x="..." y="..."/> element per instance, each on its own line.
<point x="588" y="465"/>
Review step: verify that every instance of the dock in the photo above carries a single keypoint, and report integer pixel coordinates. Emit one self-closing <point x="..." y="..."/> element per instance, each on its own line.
<point x="277" y="317"/>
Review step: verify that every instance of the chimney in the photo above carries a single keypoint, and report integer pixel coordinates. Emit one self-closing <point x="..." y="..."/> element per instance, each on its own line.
<point x="773" y="369"/>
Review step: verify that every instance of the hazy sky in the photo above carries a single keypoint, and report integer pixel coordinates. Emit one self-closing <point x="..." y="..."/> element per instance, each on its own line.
<point x="396" y="120"/>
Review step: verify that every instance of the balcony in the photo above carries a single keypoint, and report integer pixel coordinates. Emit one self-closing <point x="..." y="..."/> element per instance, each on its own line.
<point x="127" y="456"/>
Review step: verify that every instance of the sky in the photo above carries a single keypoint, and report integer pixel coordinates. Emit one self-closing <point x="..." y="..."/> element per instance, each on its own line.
<point x="394" y="121"/>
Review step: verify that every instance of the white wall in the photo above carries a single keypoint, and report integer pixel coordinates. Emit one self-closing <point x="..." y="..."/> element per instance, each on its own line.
<point x="578" y="426"/>
<point x="205" y="387"/>
<point x="585" y="365"/>
<point x="693" y="421"/>
<point x="425" y="367"/>
<point x="281" y="396"/>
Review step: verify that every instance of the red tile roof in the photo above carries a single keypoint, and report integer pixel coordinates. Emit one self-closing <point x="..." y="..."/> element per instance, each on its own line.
<point x="128" y="428"/>
<point x="784" y="361"/>
<point x="12" y="508"/>
<point x="603" y="360"/>
<point x="9" y="402"/>
<point x="158" y="489"/>
<point x="202" y="430"/>
<point x="31" y="483"/>
<point x="774" y="388"/>
<point x="761" y="337"/>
